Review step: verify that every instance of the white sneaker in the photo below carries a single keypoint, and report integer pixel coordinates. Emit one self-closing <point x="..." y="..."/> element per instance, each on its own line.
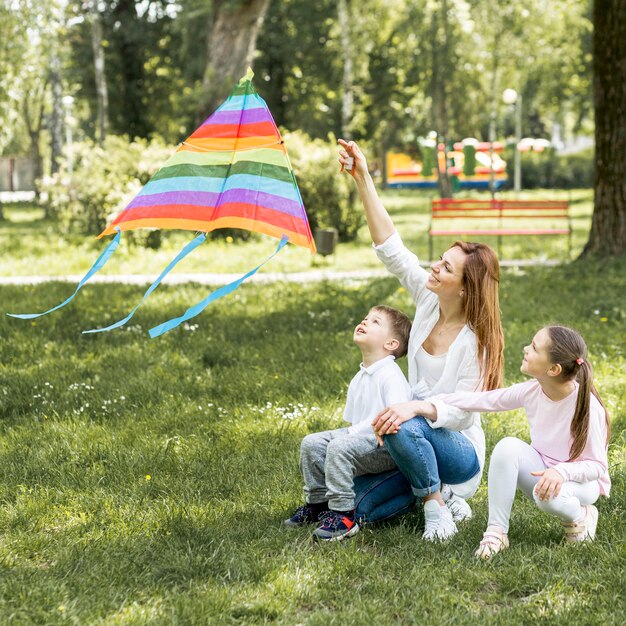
<point x="585" y="528"/>
<point x="459" y="508"/>
<point x="439" y="523"/>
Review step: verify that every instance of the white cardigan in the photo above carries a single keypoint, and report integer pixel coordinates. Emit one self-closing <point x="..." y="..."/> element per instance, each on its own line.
<point x="461" y="371"/>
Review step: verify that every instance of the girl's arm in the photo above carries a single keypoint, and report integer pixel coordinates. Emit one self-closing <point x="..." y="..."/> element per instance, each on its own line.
<point x="443" y="410"/>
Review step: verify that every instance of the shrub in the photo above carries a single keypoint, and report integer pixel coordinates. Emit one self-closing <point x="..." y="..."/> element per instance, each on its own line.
<point x="328" y="197"/>
<point x="549" y="170"/>
<point x="103" y="180"/>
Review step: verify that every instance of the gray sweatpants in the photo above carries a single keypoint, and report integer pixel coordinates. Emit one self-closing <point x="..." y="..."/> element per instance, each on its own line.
<point x="330" y="460"/>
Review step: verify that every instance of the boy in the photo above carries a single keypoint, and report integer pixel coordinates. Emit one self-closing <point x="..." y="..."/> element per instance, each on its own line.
<point x="330" y="460"/>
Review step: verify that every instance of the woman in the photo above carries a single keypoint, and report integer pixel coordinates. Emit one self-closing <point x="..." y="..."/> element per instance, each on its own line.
<point x="456" y="344"/>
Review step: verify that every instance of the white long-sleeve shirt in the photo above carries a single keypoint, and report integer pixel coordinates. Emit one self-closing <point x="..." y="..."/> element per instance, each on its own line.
<point x="373" y="389"/>
<point x="462" y="369"/>
<point x="549" y="427"/>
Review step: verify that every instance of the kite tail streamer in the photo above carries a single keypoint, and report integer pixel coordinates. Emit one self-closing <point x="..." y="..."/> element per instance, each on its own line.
<point x="97" y="266"/>
<point x="181" y="255"/>
<point x="218" y="293"/>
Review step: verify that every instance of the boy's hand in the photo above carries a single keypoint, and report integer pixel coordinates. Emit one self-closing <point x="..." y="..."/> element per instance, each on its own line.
<point x="549" y="484"/>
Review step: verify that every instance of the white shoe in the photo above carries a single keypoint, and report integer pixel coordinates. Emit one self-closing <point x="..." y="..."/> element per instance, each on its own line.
<point x="494" y="540"/>
<point x="459" y="508"/>
<point x="584" y="528"/>
<point x="439" y="523"/>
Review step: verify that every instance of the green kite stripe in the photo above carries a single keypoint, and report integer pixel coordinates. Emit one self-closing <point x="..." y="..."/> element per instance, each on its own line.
<point x="221" y="171"/>
<point x="258" y="155"/>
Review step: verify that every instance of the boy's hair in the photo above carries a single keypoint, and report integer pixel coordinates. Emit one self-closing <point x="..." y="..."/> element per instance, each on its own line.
<point x="400" y="325"/>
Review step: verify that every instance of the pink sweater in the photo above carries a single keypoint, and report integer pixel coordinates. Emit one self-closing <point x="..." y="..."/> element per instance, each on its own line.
<point x="549" y="427"/>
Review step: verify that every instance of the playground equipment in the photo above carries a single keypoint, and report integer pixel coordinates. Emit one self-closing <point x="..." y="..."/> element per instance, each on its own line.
<point x="470" y="163"/>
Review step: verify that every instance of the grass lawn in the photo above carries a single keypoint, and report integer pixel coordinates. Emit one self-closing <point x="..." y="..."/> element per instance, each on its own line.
<point x="30" y="245"/>
<point x="145" y="481"/>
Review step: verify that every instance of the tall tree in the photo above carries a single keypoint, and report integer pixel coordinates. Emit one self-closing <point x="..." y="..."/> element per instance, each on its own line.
<point x="608" y="225"/>
<point x="233" y="32"/>
<point x="102" y="94"/>
<point x="347" y="96"/>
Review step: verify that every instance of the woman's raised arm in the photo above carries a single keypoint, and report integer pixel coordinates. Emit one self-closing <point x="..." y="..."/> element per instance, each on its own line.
<point x="378" y="221"/>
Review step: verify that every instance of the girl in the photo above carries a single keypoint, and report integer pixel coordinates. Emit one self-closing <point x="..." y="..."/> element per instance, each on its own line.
<point x="565" y="468"/>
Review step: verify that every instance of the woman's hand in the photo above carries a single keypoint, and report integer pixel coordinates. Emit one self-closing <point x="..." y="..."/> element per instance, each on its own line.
<point x="388" y="421"/>
<point x="352" y="159"/>
<point x="549" y="484"/>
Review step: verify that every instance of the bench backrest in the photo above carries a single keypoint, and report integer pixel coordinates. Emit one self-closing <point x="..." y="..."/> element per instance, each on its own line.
<point x="471" y="208"/>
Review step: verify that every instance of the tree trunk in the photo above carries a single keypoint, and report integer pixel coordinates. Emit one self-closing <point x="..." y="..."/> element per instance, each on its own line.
<point x="34" y="125"/>
<point x="56" y="117"/>
<point x="102" y="121"/>
<point x="608" y="225"/>
<point x="438" y="91"/>
<point x="231" y="45"/>
<point x="347" y="96"/>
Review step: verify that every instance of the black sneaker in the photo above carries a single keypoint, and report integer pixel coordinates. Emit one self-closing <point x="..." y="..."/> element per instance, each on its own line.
<point x="305" y="514"/>
<point x="335" y="527"/>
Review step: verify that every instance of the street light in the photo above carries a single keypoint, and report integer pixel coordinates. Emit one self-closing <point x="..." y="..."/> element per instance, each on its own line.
<point x="511" y="97"/>
<point x="68" y="103"/>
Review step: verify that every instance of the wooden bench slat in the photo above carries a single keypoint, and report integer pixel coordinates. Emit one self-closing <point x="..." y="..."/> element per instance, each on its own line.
<point x="494" y="212"/>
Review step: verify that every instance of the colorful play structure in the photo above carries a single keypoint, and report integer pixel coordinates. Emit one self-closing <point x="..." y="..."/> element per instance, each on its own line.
<point x="469" y="165"/>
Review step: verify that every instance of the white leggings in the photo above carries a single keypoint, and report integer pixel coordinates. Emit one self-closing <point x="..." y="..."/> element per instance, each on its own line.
<point x="510" y="468"/>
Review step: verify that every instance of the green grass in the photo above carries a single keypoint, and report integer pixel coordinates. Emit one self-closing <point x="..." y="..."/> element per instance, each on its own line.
<point x="31" y="245"/>
<point x="213" y="414"/>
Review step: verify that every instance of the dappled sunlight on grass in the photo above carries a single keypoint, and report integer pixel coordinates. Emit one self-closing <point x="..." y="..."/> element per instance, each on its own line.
<point x="213" y="413"/>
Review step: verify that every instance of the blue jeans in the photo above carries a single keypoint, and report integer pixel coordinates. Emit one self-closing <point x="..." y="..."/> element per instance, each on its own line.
<point x="425" y="457"/>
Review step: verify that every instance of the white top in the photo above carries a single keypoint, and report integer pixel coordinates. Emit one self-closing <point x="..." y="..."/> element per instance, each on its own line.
<point x="461" y="371"/>
<point x="549" y="427"/>
<point x="430" y="366"/>
<point x="373" y="389"/>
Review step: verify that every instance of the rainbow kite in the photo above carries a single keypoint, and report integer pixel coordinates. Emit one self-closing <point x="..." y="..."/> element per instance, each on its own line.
<point x="232" y="172"/>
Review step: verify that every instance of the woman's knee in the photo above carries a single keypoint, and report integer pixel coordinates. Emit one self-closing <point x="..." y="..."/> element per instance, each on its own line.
<point x="408" y="436"/>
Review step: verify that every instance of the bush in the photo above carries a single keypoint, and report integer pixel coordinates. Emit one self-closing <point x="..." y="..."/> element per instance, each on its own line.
<point x="328" y="197"/>
<point x="548" y="170"/>
<point x="103" y="180"/>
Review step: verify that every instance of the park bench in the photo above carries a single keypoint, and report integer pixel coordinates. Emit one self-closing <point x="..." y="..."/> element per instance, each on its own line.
<point x="471" y="217"/>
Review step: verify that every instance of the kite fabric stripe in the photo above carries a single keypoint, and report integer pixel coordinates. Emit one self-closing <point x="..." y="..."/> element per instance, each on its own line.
<point x="179" y="257"/>
<point x="96" y="267"/>
<point x="234" y="161"/>
<point x="159" y="330"/>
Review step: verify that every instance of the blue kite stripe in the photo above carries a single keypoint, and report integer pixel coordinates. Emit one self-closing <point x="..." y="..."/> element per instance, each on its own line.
<point x="237" y="103"/>
<point x="218" y="293"/>
<point x="249" y="182"/>
<point x="96" y="267"/>
<point x="210" y="200"/>
<point x="179" y="257"/>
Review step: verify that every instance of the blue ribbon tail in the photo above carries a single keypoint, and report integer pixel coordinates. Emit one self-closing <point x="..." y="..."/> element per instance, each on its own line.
<point x="218" y="293"/>
<point x="97" y="266"/>
<point x="179" y="257"/>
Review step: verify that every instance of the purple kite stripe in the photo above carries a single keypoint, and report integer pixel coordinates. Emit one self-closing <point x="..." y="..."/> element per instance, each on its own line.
<point x="250" y="116"/>
<point x="205" y="198"/>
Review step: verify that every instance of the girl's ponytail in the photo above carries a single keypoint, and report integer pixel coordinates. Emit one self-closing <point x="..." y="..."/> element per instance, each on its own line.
<point x="568" y="349"/>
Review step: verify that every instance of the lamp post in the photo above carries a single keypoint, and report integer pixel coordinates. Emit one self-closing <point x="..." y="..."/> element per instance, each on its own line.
<point x="68" y="102"/>
<point x="511" y="97"/>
